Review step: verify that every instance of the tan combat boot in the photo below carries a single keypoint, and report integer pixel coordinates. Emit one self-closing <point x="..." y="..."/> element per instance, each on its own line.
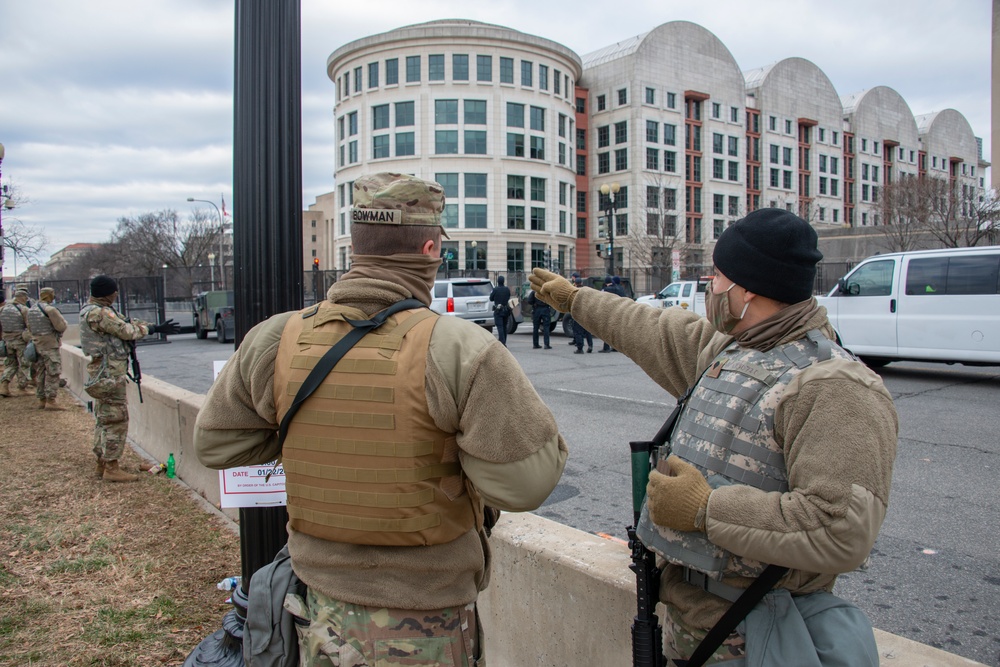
<point x="5" y="389"/>
<point x="51" y="404"/>
<point x="112" y="473"/>
<point x="41" y="404"/>
<point x="100" y="468"/>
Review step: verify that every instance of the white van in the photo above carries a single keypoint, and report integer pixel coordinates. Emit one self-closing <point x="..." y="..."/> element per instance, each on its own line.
<point x="926" y="305"/>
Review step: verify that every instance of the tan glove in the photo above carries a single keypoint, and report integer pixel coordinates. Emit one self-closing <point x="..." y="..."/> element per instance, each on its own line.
<point x="553" y="289"/>
<point x="678" y="500"/>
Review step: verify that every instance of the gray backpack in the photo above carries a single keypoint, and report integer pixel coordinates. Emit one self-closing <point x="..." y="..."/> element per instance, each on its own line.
<point x="269" y="637"/>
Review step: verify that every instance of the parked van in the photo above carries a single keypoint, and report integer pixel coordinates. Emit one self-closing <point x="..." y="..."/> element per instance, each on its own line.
<point x="927" y="305"/>
<point x="685" y="293"/>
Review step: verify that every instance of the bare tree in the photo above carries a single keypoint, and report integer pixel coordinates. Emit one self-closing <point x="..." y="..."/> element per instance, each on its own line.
<point x="945" y="213"/>
<point x="21" y="239"/>
<point x="655" y="233"/>
<point x="904" y="215"/>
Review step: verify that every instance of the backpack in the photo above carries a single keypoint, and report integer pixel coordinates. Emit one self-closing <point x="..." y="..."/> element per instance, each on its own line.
<point x="269" y="637"/>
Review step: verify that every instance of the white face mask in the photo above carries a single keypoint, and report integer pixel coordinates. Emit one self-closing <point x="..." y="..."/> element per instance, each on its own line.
<point x="717" y="310"/>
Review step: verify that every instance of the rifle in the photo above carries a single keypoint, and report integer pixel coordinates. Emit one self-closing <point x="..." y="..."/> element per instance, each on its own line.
<point x="647" y="633"/>
<point x="136" y="375"/>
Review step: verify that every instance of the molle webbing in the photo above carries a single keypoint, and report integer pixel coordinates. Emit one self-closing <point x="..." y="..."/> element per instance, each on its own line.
<point x="364" y="461"/>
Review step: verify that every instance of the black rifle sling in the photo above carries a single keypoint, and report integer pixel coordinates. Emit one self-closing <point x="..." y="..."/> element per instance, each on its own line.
<point x="334" y="354"/>
<point x="743" y="605"/>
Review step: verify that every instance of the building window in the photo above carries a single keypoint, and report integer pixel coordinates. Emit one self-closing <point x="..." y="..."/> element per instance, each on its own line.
<point x="515" y="187"/>
<point x="822" y="163"/>
<point x="787" y="180"/>
<point x="734" y="206"/>
<point x="537" y="219"/>
<point x="537" y="189"/>
<point x="555" y="82"/>
<point x="475" y="217"/>
<point x="717" y="142"/>
<point x="581" y="228"/>
<point x="650" y="96"/>
<point x="515" y="114"/>
<point x="404" y="144"/>
<point x="718" y="168"/>
<point x="716" y="110"/>
<point x="475" y="185"/>
<point x="562" y="153"/>
<point x="717" y="227"/>
<point x="718" y="204"/>
<point x="515" y="256"/>
<point x="581" y="105"/>
<point x="834" y="187"/>
<point x="449" y="181"/>
<point x="380" y="117"/>
<point x="506" y="70"/>
<point x="621" y="159"/>
<point x="581" y="202"/>
<point x="537" y="118"/>
<point x="621" y="132"/>
<point x="475" y="112"/>
<point x="734" y="171"/>
<point x="412" y="69"/>
<point x="404" y="114"/>
<point x="538" y="148"/>
<point x="445" y="112"/>
<point x="391" y="71"/>
<point x="357" y="79"/>
<point x="622" y="96"/>
<point x="460" y="67"/>
<point x="775" y="178"/>
<point x="772" y="123"/>
<point x="543" y="77"/>
<point x="603" y="163"/>
<point x="786" y="156"/>
<point x="671" y="101"/>
<point x="652" y="131"/>
<point x="445" y="142"/>
<point x="484" y="68"/>
<point x="734" y="146"/>
<point x="380" y="146"/>
<point x="774" y="149"/>
<point x="669" y="134"/>
<point x="562" y="123"/>
<point x="515" y="217"/>
<point x="352" y="152"/>
<point x="373" y="75"/>
<point x="603" y="136"/>
<point x="670" y="161"/>
<point x="601" y="103"/>
<point x="652" y="159"/>
<point x="435" y="67"/>
<point x="526" y="68"/>
<point x="475" y="142"/>
<point x="734" y="115"/>
<point x="352" y="123"/>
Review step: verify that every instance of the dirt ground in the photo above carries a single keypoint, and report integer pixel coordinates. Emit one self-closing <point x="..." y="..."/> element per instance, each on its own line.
<point x="95" y="573"/>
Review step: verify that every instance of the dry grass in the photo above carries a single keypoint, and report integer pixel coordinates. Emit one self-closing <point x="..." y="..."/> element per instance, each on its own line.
<point x="95" y="573"/>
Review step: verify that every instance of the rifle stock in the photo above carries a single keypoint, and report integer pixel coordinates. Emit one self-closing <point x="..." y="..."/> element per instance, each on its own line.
<point x="647" y="634"/>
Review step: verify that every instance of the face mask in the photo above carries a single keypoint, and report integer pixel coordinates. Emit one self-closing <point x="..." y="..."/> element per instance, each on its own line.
<point x="717" y="310"/>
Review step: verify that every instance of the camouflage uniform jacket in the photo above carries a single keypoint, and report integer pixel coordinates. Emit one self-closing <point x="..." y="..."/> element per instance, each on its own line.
<point x="835" y="424"/>
<point x="514" y="464"/>
<point x="102" y="335"/>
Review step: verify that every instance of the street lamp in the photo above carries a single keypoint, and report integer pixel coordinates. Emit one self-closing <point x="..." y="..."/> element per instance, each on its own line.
<point x="610" y="191"/>
<point x="165" y="267"/>
<point x="222" y="231"/>
<point x="8" y="203"/>
<point x="211" y="266"/>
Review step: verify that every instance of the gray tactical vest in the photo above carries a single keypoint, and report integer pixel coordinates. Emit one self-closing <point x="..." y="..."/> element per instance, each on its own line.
<point x="11" y="319"/>
<point x="39" y="322"/>
<point x="97" y="344"/>
<point x="726" y="430"/>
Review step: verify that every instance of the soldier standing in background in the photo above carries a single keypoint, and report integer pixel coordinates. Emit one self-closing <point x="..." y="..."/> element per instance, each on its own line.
<point x="47" y="325"/>
<point x="105" y="336"/>
<point x="14" y="320"/>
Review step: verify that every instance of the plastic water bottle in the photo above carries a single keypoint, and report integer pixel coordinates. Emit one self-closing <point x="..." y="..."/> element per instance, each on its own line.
<point x="228" y="584"/>
<point x="171" y="466"/>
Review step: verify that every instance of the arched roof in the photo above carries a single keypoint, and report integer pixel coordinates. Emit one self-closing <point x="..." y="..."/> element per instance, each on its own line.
<point x="815" y="95"/>
<point x="881" y="113"/>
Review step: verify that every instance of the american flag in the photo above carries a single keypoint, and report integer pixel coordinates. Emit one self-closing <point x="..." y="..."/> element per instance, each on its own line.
<point x="224" y="214"/>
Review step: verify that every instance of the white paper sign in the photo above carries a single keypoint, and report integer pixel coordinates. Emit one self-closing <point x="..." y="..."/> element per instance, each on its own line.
<point x="250" y="486"/>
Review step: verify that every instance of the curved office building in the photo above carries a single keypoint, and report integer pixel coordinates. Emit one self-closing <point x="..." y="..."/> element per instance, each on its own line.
<point x="486" y="111"/>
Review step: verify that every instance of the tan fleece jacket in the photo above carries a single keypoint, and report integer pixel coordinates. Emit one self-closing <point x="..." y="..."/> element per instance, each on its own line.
<point x="475" y="389"/>
<point x="838" y="427"/>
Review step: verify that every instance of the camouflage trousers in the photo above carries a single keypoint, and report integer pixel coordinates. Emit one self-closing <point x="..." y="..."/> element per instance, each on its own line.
<point x="111" y="414"/>
<point x="340" y="634"/>
<point x="680" y="641"/>
<point x="16" y="369"/>
<point x="48" y="368"/>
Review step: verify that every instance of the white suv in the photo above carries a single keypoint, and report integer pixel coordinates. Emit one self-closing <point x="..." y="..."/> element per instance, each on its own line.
<point x="469" y="299"/>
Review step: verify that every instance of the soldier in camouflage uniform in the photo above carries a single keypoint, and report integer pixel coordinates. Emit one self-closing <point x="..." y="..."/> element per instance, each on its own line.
<point x="47" y="325"/>
<point x="14" y="323"/>
<point x="105" y="336"/>
<point x="783" y="449"/>
<point x="390" y="460"/>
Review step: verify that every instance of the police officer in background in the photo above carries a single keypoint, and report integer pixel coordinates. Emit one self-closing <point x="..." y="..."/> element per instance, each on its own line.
<point x="612" y="284"/>
<point x="14" y="324"/>
<point x="500" y="296"/>
<point x="783" y="453"/>
<point x="47" y="325"/>
<point x="389" y="462"/>
<point x="541" y="320"/>
<point x="106" y="337"/>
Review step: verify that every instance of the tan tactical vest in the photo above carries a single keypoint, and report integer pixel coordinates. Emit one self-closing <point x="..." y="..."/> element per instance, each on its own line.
<point x="726" y="430"/>
<point x="39" y="322"/>
<point x="364" y="462"/>
<point x="12" y="319"/>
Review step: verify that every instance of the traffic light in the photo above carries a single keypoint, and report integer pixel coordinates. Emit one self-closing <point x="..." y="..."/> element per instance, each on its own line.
<point x="599" y="250"/>
<point x="315" y="263"/>
<point x="602" y="228"/>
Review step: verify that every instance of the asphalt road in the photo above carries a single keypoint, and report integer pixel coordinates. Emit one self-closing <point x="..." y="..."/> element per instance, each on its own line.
<point x="934" y="575"/>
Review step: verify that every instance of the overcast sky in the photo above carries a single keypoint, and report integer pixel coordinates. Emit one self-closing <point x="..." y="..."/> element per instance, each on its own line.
<point x="117" y="107"/>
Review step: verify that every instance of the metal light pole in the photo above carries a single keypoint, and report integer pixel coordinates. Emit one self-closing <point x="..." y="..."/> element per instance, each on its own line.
<point x="211" y="267"/>
<point x="5" y="203"/>
<point x="610" y="191"/>
<point x="222" y="232"/>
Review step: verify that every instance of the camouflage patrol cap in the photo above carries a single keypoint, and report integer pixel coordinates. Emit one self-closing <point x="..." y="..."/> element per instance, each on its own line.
<point x="46" y="291"/>
<point x="397" y="199"/>
<point x="21" y="290"/>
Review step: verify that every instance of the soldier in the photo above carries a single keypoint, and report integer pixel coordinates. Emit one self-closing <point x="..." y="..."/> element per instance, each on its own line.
<point x="106" y="336"/>
<point x="47" y="325"/>
<point x="14" y="320"/>
<point x="784" y="445"/>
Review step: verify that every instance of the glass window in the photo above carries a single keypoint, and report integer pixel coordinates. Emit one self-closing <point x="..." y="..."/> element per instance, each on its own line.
<point x="515" y="256"/>
<point x="475" y="218"/>
<point x="445" y="112"/>
<point x="506" y="70"/>
<point x="718" y="168"/>
<point x="352" y="152"/>
<point x="449" y="220"/>
<point x="872" y="279"/>
<point x="435" y="67"/>
<point x="515" y="145"/>
<point x="445" y="142"/>
<point x="537" y="118"/>
<point x="515" y="114"/>
<point x="734" y="146"/>
<point x="717" y="142"/>
<point x="373" y="75"/>
<point x="484" y="68"/>
<point x="650" y="96"/>
<point x="670" y="161"/>
<point x="652" y="158"/>
<point x="392" y="71"/>
<point x="380" y="117"/>
<point x="449" y="181"/>
<point x="526" y="69"/>
<point x="515" y="187"/>
<point x="380" y="146"/>
<point x="538" y="148"/>
<point x="603" y="136"/>
<point x="412" y="69"/>
<point x="734" y="171"/>
<point x="556" y="74"/>
<point x="537" y="189"/>
<point x="603" y="163"/>
<point x="669" y="134"/>
<point x="786" y="156"/>
<point x="475" y="112"/>
<point x="475" y="142"/>
<point x="357" y="79"/>
<point x="601" y="103"/>
<point x="652" y="131"/>
<point x="537" y="219"/>
<point x="622" y="96"/>
<point x="475" y="185"/>
<point x="515" y="217"/>
<point x="352" y="123"/>
<point x="543" y="77"/>
<point x="621" y="132"/>
<point x="460" y="67"/>
<point x="404" y="144"/>
<point x="404" y="114"/>
<point x="621" y="159"/>
<point x="671" y="101"/>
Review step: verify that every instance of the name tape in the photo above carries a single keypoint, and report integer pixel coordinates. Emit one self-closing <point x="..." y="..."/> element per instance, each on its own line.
<point x="374" y="216"/>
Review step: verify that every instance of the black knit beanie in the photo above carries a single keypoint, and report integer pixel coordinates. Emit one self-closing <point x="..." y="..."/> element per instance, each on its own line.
<point x="770" y="252"/>
<point x="103" y="286"/>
